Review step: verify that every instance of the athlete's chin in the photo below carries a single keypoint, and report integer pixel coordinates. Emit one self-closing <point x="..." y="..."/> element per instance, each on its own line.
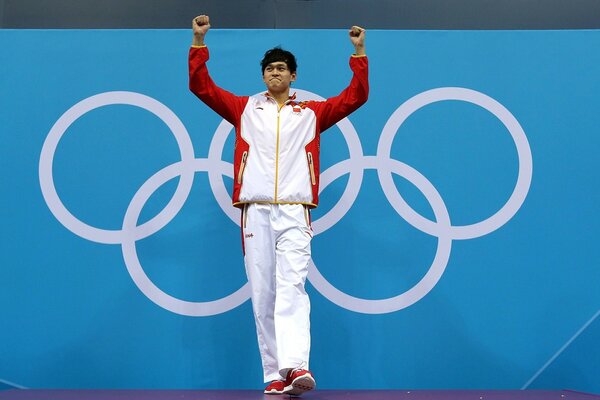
<point x="277" y="86"/>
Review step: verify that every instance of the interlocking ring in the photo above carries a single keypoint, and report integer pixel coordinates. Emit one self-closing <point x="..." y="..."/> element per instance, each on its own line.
<point x="355" y="166"/>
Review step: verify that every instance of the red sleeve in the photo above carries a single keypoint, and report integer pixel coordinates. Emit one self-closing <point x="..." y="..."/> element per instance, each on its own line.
<point x="334" y="109"/>
<point x="224" y="103"/>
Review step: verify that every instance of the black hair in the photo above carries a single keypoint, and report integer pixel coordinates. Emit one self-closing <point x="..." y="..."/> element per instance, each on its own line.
<point x="278" y="54"/>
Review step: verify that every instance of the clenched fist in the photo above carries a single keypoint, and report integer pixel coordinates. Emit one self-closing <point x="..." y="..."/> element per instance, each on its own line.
<point x="357" y="37"/>
<point x="200" y="25"/>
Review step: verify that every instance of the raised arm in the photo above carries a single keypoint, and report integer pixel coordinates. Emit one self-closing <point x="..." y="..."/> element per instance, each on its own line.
<point x="224" y="103"/>
<point x="334" y="109"/>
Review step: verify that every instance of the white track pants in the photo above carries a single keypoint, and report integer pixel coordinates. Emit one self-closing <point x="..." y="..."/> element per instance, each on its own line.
<point x="277" y="252"/>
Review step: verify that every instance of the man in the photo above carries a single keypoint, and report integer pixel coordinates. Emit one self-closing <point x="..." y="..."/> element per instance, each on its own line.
<point x="276" y="183"/>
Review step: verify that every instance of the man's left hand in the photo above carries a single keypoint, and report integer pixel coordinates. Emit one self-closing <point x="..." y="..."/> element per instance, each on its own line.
<point x="357" y="37"/>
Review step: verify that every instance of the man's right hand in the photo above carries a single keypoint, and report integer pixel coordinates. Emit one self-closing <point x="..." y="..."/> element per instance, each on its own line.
<point x="200" y="25"/>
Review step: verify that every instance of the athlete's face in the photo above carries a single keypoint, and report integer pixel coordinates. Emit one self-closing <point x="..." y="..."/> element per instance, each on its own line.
<point x="278" y="77"/>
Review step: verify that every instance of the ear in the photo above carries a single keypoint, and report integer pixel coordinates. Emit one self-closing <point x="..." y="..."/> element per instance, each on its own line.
<point x="293" y="76"/>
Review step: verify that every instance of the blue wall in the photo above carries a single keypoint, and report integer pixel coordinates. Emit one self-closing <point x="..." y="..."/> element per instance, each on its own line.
<point x="456" y="233"/>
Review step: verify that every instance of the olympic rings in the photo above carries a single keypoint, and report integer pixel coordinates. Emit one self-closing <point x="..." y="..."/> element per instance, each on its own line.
<point x="355" y="165"/>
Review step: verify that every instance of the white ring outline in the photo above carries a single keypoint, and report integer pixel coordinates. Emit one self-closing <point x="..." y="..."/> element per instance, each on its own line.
<point x="427" y="282"/>
<point x="525" y="173"/>
<point x="135" y="269"/>
<point x="59" y="128"/>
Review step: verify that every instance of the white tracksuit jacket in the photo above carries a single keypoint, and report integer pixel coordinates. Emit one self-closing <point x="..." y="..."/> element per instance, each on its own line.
<point x="276" y="156"/>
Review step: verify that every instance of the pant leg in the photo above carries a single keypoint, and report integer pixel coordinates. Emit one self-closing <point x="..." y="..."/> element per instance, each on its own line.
<point x="292" y="305"/>
<point x="260" y="261"/>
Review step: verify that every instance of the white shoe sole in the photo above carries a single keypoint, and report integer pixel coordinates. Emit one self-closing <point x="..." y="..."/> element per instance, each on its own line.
<point x="300" y="385"/>
<point x="274" y="392"/>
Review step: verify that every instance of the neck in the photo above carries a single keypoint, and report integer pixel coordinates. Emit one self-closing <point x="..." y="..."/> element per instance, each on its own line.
<point x="280" y="97"/>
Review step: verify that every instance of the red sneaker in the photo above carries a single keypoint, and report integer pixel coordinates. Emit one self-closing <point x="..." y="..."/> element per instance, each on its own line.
<point x="275" y="387"/>
<point x="299" y="381"/>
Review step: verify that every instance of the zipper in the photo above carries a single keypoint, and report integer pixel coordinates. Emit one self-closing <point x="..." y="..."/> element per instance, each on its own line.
<point x="312" y="168"/>
<point x="277" y="153"/>
<point x="242" y="166"/>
